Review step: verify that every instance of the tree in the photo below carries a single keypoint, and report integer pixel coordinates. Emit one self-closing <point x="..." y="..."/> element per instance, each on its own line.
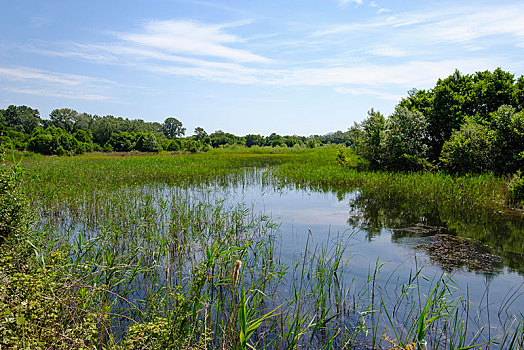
<point x="508" y="148"/>
<point x="63" y="118"/>
<point x="147" y="142"/>
<point x="21" y="118"/>
<point x="405" y="140"/>
<point x="469" y="149"/>
<point x="372" y="137"/>
<point x="172" y="127"/>
<point x="200" y="133"/>
<point x="53" y="140"/>
<point x="451" y="103"/>
<point x="123" y="141"/>
<point x="254" y="140"/>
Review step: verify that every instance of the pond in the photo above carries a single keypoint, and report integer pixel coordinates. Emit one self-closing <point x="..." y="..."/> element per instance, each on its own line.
<point x="354" y="263"/>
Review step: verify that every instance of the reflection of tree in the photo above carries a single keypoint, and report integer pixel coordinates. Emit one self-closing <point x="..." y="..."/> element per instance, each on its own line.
<point x="373" y="214"/>
<point x="502" y="234"/>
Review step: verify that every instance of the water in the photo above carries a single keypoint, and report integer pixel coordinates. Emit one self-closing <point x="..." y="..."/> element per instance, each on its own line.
<point x="370" y="230"/>
<point x="325" y="221"/>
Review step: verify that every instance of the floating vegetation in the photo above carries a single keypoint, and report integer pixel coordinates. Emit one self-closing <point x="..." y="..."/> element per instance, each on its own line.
<point x="455" y="252"/>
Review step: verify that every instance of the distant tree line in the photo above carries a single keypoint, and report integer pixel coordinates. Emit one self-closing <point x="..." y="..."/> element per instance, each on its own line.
<point x="68" y="132"/>
<point x="465" y="124"/>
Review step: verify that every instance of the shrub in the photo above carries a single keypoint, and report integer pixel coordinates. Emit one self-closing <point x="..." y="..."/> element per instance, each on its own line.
<point x="147" y="142"/>
<point x="469" y="149"/>
<point x="53" y="140"/>
<point x="14" y="212"/>
<point x="516" y="190"/>
<point x="174" y="145"/>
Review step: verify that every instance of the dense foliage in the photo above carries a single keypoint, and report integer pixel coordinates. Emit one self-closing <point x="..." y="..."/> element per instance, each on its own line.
<point x="466" y="123"/>
<point x="68" y="132"/>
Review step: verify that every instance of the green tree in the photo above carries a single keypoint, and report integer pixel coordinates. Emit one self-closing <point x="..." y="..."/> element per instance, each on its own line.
<point x="470" y="149"/>
<point x="200" y="133"/>
<point x="21" y="118"/>
<point x="53" y="140"/>
<point x="508" y="148"/>
<point x="63" y="118"/>
<point x="172" y="127"/>
<point x="492" y="90"/>
<point x="373" y="128"/>
<point x="405" y="140"/>
<point x="254" y="140"/>
<point x="147" y="142"/>
<point x="451" y="103"/>
<point x="123" y="141"/>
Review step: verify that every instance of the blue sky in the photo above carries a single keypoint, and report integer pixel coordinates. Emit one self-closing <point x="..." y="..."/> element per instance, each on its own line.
<point x="291" y="67"/>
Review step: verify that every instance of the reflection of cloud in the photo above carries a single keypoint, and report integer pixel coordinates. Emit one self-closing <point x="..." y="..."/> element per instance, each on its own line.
<point x="320" y="216"/>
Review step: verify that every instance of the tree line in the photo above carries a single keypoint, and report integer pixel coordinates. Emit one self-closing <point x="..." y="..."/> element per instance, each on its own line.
<point x="466" y="123"/>
<point x="68" y="132"/>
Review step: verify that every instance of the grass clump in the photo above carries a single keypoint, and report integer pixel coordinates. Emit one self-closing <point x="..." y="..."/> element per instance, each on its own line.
<point x="516" y="190"/>
<point x="14" y="212"/>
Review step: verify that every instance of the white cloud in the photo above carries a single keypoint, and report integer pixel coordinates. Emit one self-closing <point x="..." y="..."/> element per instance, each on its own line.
<point x="73" y="95"/>
<point x="387" y="51"/>
<point x="210" y="52"/>
<point x="192" y="38"/>
<point x="25" y="80"/>
<point x="26" y="73"/>
<point x="370" y="92"/>
<point x="346" y="2"/>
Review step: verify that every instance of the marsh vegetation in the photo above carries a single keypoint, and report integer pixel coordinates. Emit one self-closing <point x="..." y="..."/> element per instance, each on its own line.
<point x="280" y="250"/>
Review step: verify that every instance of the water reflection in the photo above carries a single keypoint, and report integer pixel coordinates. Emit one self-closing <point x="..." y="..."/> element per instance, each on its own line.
<point x="503" y="235"/>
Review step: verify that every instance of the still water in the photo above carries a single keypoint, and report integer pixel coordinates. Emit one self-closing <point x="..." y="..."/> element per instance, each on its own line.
<point x="379" y="258"/>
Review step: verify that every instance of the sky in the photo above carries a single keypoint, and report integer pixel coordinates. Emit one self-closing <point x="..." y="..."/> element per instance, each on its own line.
<point x="291" y="67"/>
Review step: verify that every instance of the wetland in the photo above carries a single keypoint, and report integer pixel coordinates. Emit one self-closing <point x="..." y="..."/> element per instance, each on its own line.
<point x="279" y="250"/>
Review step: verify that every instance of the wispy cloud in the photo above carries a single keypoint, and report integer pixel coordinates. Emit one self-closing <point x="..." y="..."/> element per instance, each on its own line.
<point x="32" y="81"/>
<point x="346" y="2"/>
<point x="192" y="38"/>
<point x="387" y="51"/>
<point x="26" y="73"/>
<point x="181" y="48"/>
<point x="68" y="94"/>
<point x="370" y="92"/>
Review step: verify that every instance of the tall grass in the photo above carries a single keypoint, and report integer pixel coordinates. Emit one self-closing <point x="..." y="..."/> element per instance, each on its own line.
<point x="163" y="263"/>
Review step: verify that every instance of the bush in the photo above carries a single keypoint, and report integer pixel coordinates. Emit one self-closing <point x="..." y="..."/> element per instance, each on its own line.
<point x="36" y="312"/>
<point x="53" y="140"/>
<point x="123" y="141"/>
<point x="516" y="190"/>
<point x="174" y="145"/>
<point x="469" y="149"/>
<point x="147" y="142"/>
<point x="14" y="209"/>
